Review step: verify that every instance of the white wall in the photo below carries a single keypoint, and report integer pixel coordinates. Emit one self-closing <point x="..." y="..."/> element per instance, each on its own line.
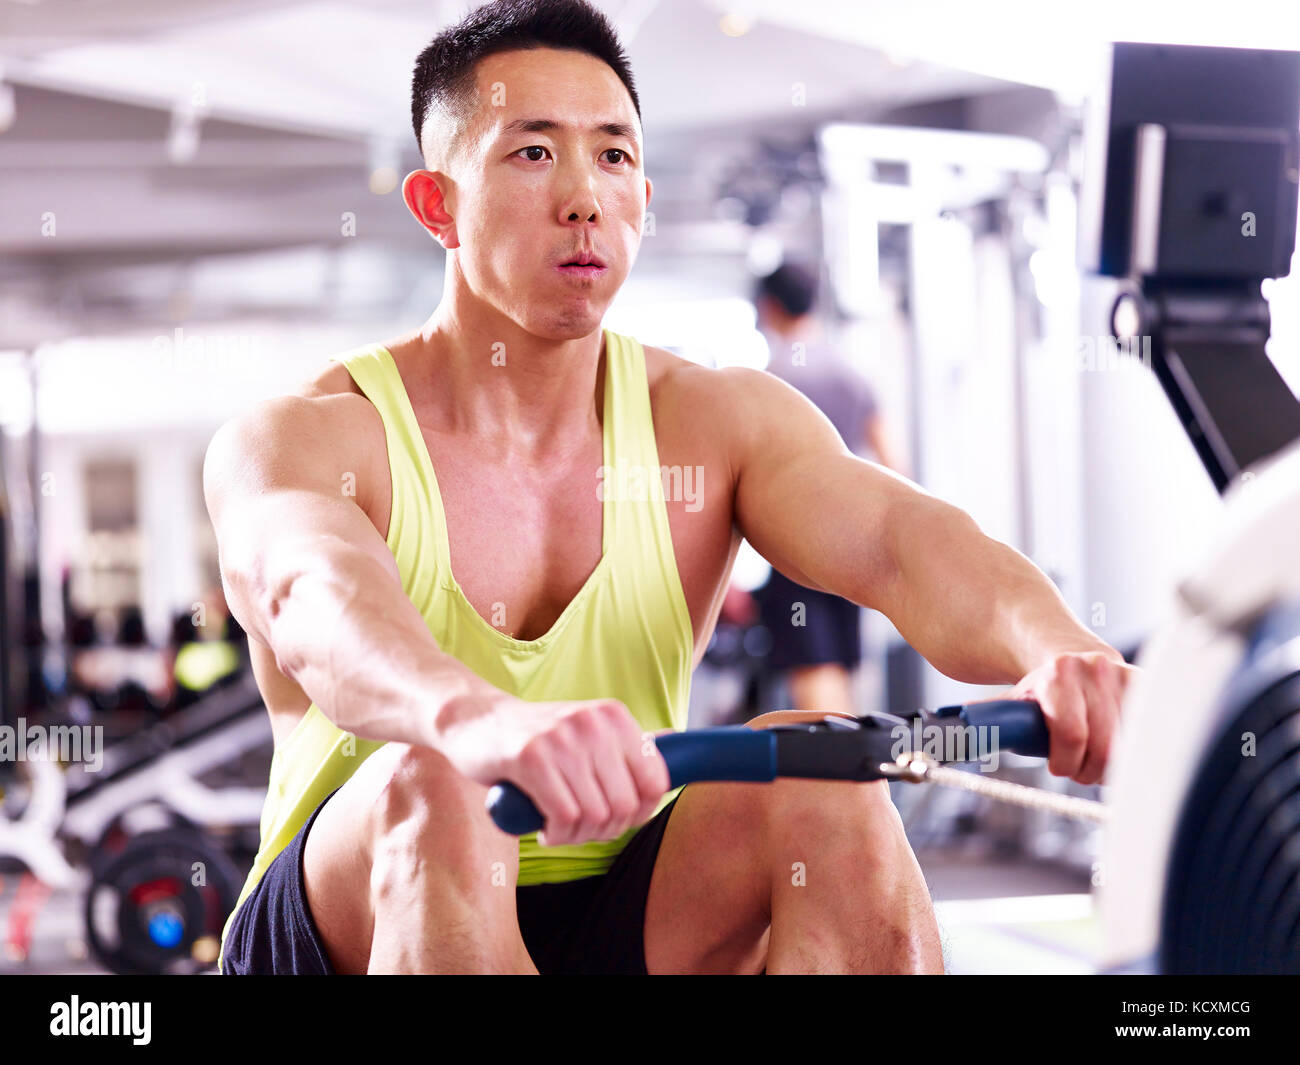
<point x="168" y="502"/>
<point x="1148" y="501"/>
<point x="156" y="401"/>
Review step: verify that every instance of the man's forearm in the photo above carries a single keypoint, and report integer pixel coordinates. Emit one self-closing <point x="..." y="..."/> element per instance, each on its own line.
<point x="358" y="647"/>
<point x="975" y="608"/>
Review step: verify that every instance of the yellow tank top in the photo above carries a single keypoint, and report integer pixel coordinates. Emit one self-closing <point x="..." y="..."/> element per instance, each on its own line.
<point x="626" y="634"/>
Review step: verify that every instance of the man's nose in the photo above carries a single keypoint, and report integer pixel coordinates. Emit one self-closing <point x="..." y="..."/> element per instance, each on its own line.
<point x="580" y="204"/>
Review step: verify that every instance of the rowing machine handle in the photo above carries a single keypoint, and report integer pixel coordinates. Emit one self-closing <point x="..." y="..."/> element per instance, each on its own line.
<point x="738" y="752"/>
<point x="1022" y="728"/>
<point x="729" y="752"/>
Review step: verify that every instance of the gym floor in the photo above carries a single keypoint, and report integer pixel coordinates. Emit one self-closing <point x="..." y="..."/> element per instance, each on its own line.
<point x="994" y="917"/>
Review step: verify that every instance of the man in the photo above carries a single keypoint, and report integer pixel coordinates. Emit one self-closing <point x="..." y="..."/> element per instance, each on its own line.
<point x="816" y="636"/>
<point x="445" y="585"/>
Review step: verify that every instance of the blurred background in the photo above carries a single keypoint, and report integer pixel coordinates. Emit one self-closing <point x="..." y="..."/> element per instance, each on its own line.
<point x="199" y="203"/>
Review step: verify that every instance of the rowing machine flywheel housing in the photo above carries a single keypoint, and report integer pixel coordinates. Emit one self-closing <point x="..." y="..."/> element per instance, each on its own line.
<point x="1200" y="867"/>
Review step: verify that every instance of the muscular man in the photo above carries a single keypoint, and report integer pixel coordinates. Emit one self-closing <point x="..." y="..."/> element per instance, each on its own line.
<point x="451" y="573"/>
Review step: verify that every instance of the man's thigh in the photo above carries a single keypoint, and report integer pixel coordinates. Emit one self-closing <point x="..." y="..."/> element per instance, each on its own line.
<point x="336" y="861"/>
<point x="709" y="904"/>
<point x="707" y="910"/>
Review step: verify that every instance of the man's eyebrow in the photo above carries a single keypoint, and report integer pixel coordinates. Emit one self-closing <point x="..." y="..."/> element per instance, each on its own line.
<point x="549" y="125"/>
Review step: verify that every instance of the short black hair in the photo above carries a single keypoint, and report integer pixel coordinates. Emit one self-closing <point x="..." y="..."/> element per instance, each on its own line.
<point x="792" y="286"/>
<point x="444" y="71"/>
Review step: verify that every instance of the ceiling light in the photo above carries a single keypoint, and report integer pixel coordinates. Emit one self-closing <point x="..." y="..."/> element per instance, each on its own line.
<point x="734" y="24"/>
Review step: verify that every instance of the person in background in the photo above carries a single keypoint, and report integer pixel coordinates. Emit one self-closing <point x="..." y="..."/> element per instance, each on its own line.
<point x="816" y="637"/>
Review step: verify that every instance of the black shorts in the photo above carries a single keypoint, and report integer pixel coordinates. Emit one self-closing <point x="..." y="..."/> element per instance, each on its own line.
<point x="831" y="629"/>
<point x="591" y="926"/>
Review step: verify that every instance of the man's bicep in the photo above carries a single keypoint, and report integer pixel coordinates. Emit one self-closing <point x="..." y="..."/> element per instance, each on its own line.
<point x="819" y="514"/>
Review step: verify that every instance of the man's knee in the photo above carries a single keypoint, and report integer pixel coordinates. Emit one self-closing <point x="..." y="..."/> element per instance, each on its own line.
<point x="430" y="820"/>
<point x="823" y="817"/>
<point x="413" y="780"/>
<point x="816" y="814"/>
<point x="850" y="819"/>
<point x="805" y="806"/>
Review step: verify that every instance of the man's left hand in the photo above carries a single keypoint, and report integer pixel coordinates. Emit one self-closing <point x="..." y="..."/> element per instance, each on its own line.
<point x="1081" y="694"/>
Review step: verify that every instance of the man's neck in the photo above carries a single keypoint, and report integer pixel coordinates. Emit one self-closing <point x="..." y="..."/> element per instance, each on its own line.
<point x="507" y="388"/>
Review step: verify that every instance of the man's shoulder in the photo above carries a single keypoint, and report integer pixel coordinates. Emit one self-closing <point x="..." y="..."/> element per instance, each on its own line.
<point x="722" y="410"/>
<point x="330" y="378"/>
<point x="331" y="392"/>
<point x="327" y="396"/>
<point x="326" y="407"/>
<point x="679" y="381"/>
<point x="663" y="368"/>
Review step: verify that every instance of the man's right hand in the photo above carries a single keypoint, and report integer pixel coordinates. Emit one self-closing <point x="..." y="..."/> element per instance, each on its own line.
<point x="588" y="766"/>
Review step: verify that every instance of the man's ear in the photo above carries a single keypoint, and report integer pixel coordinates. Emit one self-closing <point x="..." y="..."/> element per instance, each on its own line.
<point x="424" y="199"/>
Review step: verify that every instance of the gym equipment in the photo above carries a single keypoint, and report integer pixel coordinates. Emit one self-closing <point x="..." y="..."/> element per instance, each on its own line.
<point x="1193" y="205"/>
<point x="159" y="905"/>
<point x="1200" y="865"/>
<point x="130" y="824"/>
<point x="161" y="764"/>
<point x="1196" y="205"/>
<point x="146" y="811"/>
<point x="871" y="747"/>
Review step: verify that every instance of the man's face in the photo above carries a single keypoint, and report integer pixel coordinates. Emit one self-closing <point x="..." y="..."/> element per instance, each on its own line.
<point x="527" y="199"/>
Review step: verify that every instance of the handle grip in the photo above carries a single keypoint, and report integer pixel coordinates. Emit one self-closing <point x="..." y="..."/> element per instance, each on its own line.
<point x="730" y="752"/>
<point x="1022" y="728"/>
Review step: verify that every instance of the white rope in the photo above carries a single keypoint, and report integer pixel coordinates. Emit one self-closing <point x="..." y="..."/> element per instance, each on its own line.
<point x="917" y="768"/>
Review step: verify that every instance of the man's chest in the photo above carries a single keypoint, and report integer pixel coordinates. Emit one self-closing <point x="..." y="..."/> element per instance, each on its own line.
<point x="524" y="539"/>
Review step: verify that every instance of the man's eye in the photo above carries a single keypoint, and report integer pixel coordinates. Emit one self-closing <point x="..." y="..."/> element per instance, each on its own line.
<point x="532" y="148"/>
<point x="620" y="152"/>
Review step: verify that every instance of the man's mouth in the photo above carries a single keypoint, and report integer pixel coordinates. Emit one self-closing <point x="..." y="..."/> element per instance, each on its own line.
<point x="582" y="266"/>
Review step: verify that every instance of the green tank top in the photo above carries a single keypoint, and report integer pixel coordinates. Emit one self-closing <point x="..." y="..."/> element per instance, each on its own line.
<point x="626" y="634"/>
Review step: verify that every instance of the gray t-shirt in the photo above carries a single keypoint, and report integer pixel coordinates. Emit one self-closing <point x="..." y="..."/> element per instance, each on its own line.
<point x="836" y="388"/>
